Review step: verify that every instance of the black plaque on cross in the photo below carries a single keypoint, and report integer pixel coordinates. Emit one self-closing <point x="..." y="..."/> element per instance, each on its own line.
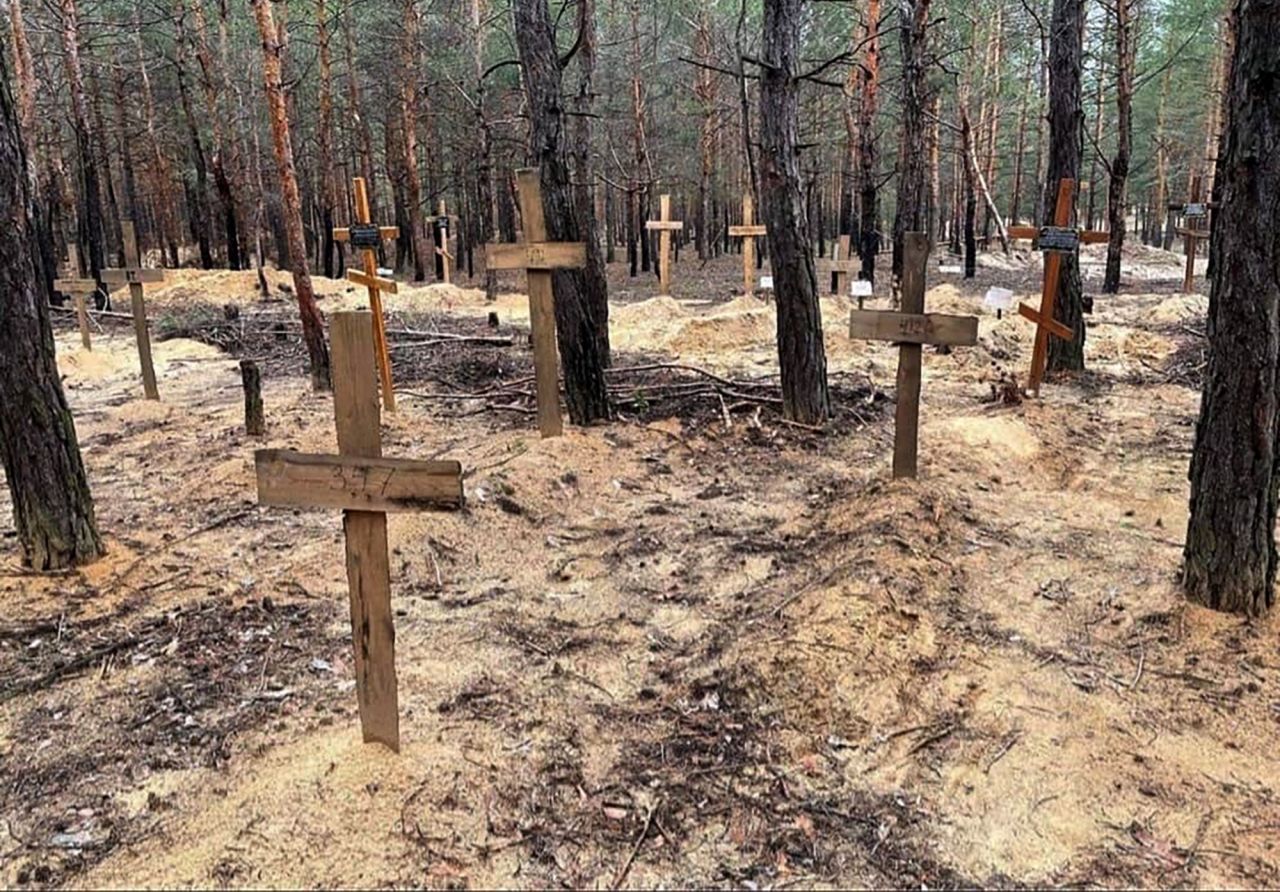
<point x="365" y="235"/>
<point x="1063" y="239"/>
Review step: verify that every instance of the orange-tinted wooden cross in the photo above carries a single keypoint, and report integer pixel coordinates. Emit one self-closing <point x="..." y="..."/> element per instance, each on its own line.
<point x="665" y="225"/>
<point x="841" y="265"/>
<point x="77" y="289"/>
<point x="749" y="231"/>
<point x="1054" y="241"/>
<point x="1193" y="212"/>
<point x="538" y="257"/>
<point x="367" y="238"/>
<point x="365" y="486"/>
<point x="135" y="277"/>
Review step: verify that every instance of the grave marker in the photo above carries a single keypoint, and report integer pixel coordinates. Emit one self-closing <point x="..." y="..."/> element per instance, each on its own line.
<point x="841" y="264"/>
<point x="77" y="289"/>
<point x="1192" y="212"/>
<point x="910" y="329"/>
<point x="367" y="238"/>
<point x="749" y="231"/>
<point x="365" y="486"/>
<point x="1054" y="241"/>
<point x="135" y="277"/>
<point x="538" y="257"/>
<point x="666" y="226"/>
<point x="442" y="246"/>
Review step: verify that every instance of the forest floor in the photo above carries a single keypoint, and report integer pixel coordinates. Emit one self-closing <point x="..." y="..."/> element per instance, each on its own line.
<point x="695" y="646"/>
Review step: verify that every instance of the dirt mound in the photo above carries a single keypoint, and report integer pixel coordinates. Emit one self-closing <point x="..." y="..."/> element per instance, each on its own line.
<point x="1181" y="308"/>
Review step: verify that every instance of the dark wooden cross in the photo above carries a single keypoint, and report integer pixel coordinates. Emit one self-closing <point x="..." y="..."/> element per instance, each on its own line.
<point x="665" y="225"/>
<point x="77" y="289"/>
<point x="911" y="329"/>
<point x="367" y="238"/>
<point x="365" y="486"/>
<point x="749" y="231"/>
<point x="841" y="265"/>
<point x="135" y="277"/>
<point x="1053" y="241"/>
<point x="1193" y="213"/>
<point x="538" y="257"/>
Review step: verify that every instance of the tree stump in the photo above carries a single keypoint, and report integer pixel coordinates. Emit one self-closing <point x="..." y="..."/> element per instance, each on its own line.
<point x="251" y="376"/>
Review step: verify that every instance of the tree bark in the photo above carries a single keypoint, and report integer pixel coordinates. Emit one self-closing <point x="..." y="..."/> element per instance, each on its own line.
<point x="869" y="212"/>
<point x="1126" y="60"/>
<point x="1066" y="118"/>
<point x="52" y="507"/>
<point x="273" y="47"/>
<point x="801" y="353"/>
<point x="409" y="141"/>
<point x="913" y="20"/>
<point x="90" y="216"/>
<point x="330" y="249"/>
<point x="581" y="296"/>
<point x="1230" y="555"/>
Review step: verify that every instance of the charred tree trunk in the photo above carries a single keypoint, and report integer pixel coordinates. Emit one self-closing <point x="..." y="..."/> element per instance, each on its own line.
<point x="1230" y="555"/>
<point x="581" y="296"/>
<point x="52" y="507"/>
<point x="869" y="213"/>
<point x="1126" y="60"/>
<point x="913" y="20"/>
<point x="1066" y="118"/>
<point x="330" y="248"/>
<point x="273" y="47"/>
<point x="801" y="355"/>
<point x="90" y="216"/>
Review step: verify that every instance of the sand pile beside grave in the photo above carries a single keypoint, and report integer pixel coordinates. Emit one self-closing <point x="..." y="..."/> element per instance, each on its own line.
<point x="1180" y="309"/>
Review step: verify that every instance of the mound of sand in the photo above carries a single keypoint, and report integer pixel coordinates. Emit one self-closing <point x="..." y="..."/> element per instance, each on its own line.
<point x="1179" y="309"/>
<point x="1000" y="437"/>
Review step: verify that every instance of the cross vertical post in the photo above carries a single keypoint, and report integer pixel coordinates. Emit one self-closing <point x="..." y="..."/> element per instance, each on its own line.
<point x="77" y="288"/>
<point x="442" y="248"/>
<point x="539" y="257"/>
<point x="664" y="225"/>
<point x="367" y="237"/>
<point x="841" y="264"/>
<point x="749" y="231"/>
<point x="135" y="277"/>
<point x="1192" y="212"/>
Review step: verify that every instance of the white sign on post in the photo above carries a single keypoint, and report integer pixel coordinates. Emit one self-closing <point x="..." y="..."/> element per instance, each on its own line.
<point x="949" y="270"/>
<point x="860" y="288"/>
<point x="998" y="299"/>
<point x="766" y="283"/>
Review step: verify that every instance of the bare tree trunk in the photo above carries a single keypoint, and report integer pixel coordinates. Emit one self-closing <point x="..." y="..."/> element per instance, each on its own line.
<point x="52" y="507"/>
<point x="25" y="74"/>
<point x="801" y="354"/>
<point x="331" y="260"/>
<point x="486" y="212"/>
<point x="1230" y="556"/>
<point x="162" y="175"/>
<point x="1161" y="234"/>
<point x="1019" y="154"/>
<point x="409" y="141"/>
<point x="273" y="47"/>
<point x="1126" y="60"/>
<point x="869" y="216"/>
<point x="224" y="180"/>
<point x="913" y="19"/>
<point x="706" y="93"/>
<point x="90" y="216"/>
<point x="581" y="296"/>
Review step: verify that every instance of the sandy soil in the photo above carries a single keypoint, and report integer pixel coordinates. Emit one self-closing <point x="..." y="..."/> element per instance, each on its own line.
<point x="697" y="649"/>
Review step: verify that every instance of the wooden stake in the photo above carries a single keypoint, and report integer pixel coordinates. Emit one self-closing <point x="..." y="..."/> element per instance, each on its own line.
<point x="77" y="289"/>
<point x="749" y="231"/>
<point x="251" y="378"/>
<point x="538" y="257"/>
<point x="366" y="237"/>
<point x="135" y="277"/>
<point x="665" y="225"/>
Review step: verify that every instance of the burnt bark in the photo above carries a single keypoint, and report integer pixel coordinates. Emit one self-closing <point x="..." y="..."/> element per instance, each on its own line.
<point x="801" y="355"/>
<point x="1230" y="554"/>
<point x="1117" y="189"/>
<point x="52" y="506"/>
<point x="869" y="213"/>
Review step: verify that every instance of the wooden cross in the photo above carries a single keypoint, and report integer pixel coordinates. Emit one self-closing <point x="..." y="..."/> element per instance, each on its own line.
<point x="368" y="238"/>
<point x="841" y="265"/>
<point x="77" y="289"/>
<point x="910" y="329"/>
<point x="1053" y="241"/>
<point x="1192" y="213"/>
<point x="538" y="257"/>
<point x="365" y="486"/>
<point x="749" y="231"/>
<point x="135" y="277"/>
<point x="442" y="249"/>
<point x="666" y="226"/>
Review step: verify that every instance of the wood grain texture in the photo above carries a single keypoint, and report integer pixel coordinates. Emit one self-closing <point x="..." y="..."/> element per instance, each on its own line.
<point x="542" y="318"/>
<point x="909" y="328"/>
<point x="910" y="359"/>
<point x="304" y="480"/>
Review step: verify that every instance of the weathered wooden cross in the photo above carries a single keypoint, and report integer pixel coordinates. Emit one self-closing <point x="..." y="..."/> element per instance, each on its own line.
<point x="365" y="486"/>
<point x="538" y="257"/>
<point x="665" y="225"/>
<point x="442" y="249"/>
<point x="1192" y="232"/>
<point x="367" y="237"/>
<point x="77" y="289"/>
<point x="135" y="277"/>
<point x="1053" y="241"/>
<point x="911" y="329"/>
<point x="841" y="265"/>
<point x="749" y="231"/>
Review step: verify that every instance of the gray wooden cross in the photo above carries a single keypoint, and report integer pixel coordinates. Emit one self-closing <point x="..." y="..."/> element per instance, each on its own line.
<point x="135" y="277"/>
<point x="77" y="288"/>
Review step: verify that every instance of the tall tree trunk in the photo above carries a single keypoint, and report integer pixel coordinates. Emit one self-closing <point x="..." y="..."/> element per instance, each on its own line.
<point x="593" y="276"/>
<point x="1161" y="234"/>
<point x="1230" y="555"/>
<point x="1019" y="153"/>
<point x="486" y="212"/>
<point x="273" y="48"/>
<point x="409" y="140"/>
<point x="581" y="296"/>
<point x="162" y="172"/>
<point x="197" y="194"/>
<point x="1126" y="60"/>
<point x="869" y="212"/>
<point x="801" y="355"/>
<point x="211" y="78"/>
<point x="913" y="20"/>
<point x="90" y="216"/>
<point x="330" y="249"/>
<point x="52" y="507"/>
<point x="25" y="74"/>
<point x="706" y="93"/>
<point x="364" y="132"/>
<point x="1066" y="118"/>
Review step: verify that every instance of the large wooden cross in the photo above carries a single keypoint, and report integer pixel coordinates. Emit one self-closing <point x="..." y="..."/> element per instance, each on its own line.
<point x="77" y="289"/>
<point x="1053" y="241"/>
<point x="749" y="231"/>
<point x="538" y="257"/>
<point x="367" y="237"/>
<point x="135" y="277"/>
<point x="841" y="265"/>
<point x="666" y="226"/>
<point x="365" y="486"/>
<point x="911" y="329"/>
<point x="1195" y="210"/>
